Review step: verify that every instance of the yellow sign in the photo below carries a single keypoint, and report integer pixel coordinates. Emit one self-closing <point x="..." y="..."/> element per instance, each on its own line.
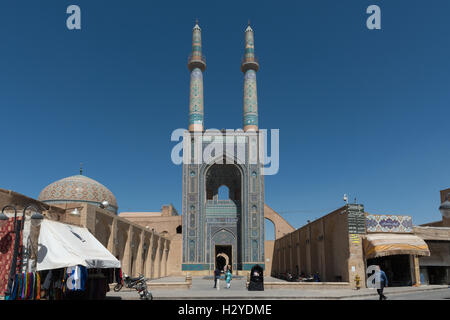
<point x="355" y="238"/>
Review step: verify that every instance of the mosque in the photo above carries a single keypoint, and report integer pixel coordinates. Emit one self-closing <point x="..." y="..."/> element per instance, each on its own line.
<point x="213" y="231"/>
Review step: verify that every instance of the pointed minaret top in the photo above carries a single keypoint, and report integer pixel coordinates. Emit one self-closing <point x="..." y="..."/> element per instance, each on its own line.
<point x="196" y="27"/>
<point x="248" y="26"/>
<point x="196" y="59"/>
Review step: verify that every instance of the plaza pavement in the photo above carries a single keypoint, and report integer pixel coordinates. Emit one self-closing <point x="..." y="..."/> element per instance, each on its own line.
<point x="202" y="288"/>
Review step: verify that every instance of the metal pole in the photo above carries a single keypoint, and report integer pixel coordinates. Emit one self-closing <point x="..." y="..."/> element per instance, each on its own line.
<point x="22" y="228"/>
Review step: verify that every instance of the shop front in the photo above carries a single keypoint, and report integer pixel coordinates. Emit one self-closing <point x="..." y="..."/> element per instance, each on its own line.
<point x="70" y="264"/>
<point x="435" y="269"/>
<point x="73" y="263"/>
<point x="397" y="269"/>
<point x="391" y="244"/>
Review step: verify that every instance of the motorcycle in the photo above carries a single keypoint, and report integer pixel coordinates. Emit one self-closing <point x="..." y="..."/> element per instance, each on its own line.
<point x="139" y="283"/>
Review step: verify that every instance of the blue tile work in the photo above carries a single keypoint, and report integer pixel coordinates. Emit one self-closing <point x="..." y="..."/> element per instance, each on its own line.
<point x="250" y="99"/>
<point x="207" y="223"/>
<point x="194" y="267"/>
<point x="196" y="97"/>
<point x="249" y="266"/>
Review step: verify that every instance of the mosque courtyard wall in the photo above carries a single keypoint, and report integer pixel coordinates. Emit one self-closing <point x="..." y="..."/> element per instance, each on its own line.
<point x="140" y="250"/>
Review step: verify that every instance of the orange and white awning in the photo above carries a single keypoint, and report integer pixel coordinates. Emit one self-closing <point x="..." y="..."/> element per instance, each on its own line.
<point x="387" y="244"/>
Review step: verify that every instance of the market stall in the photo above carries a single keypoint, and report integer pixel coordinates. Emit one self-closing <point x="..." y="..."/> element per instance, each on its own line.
<point x="71" y="264"/>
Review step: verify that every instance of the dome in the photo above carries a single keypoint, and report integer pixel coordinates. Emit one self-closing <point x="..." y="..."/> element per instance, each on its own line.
<point x="78" y="188"/>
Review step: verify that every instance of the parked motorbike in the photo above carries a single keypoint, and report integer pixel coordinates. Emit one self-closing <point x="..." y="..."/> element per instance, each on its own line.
<point x="139" y="283"/>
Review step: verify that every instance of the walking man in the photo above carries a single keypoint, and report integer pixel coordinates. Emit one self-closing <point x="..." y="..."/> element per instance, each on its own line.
<point x="217" y="278"/>
<point x="382" y="282"/>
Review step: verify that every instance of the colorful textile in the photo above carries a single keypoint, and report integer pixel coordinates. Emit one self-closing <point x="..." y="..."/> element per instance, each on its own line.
<point x="7" y="238"/>
<point x="24" y="281"/>
<point x="26" y="286"/>
<point x="15" y="287"/>
<point x="38" y="286"/>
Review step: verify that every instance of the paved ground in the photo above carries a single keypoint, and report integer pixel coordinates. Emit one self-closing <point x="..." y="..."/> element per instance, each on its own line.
<point x="438" y="294"/>
<point x="202" y="288"/>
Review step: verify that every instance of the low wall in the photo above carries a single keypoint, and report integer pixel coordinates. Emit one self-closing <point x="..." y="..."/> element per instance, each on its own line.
<point x="203" y="273"/>
<point x="169" y="285"/>
<point x="305" y="285"/>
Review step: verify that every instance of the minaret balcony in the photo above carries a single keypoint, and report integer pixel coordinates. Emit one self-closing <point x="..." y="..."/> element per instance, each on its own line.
<point x="196" y="61"/>
<point x="248" y="63"/>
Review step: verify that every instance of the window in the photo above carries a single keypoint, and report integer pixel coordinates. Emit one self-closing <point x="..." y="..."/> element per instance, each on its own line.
<point x="223" y="193"/>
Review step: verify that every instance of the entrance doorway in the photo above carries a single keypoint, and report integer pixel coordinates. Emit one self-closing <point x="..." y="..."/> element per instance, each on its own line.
<point x="223" y="256"/>
<point x="396" y="267"/>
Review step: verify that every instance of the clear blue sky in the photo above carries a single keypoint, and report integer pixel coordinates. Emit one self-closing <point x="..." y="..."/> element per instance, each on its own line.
<point x="360" y="112"/>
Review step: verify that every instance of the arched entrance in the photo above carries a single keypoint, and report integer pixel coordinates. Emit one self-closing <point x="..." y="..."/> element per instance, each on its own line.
<point x="223" y="256"/>
<point x="223" y="182"/>
<point x="210" y="211"/>
<point x="223" y="250"/>
<point x="223" y="196"/>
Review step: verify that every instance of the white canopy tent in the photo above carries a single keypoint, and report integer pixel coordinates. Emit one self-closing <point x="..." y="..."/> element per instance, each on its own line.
<point x="61" y="245"/>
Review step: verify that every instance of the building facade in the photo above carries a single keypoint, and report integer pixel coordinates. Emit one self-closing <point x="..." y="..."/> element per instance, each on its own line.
<point x="78" y="200"/>
<point x="342" y="245"/>
<point x="224" y="213"/>
<point x="222" y="231"/>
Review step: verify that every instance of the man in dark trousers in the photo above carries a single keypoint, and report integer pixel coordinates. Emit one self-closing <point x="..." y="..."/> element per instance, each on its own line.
<point x="216" y="276"/>
<point x="383" y="282"/>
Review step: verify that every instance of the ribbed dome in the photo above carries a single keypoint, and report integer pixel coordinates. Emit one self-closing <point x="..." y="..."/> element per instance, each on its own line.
<point x="78" y="188"/>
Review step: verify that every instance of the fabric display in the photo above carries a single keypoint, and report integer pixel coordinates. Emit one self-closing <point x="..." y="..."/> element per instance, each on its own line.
<point x="53" y="283"/>
<point x="7" y="239"/>
<point x="69" y="283"/>
<point x="26" y="286"/>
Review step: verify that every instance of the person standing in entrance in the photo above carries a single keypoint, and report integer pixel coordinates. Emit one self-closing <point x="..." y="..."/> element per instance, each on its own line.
<point x="382" y="282"/>
<point x="217" y="278"/>
<point x="228" y="278"/>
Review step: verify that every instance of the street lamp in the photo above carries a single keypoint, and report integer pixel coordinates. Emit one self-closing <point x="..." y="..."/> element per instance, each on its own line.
<point x="104" y="204"/>
<point x="36" y="219"/>
<point x="4" y="218"/>
<point x="445" y="207"/>
<point x="75" y="212"/>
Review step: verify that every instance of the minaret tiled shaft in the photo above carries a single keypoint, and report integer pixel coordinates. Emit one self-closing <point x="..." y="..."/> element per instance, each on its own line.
<point x="196" y="65"/>
<point x="249" y="67"/>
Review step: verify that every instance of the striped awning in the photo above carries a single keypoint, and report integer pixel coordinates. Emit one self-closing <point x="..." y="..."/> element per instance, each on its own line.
<point x="388" y="244"/>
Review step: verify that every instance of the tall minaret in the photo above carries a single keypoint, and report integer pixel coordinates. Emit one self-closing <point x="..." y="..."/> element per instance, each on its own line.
<point x="249" y="67"/>
<point x="196" y="65"/>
